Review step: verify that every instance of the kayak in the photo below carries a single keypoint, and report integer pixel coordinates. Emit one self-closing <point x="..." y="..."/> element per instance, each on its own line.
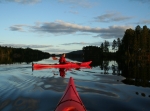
<point x="37" y="66"/>
<point x="70" y="100"/>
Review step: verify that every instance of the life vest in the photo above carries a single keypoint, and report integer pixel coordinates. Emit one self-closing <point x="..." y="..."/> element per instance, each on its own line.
<point x="62" y="60"/>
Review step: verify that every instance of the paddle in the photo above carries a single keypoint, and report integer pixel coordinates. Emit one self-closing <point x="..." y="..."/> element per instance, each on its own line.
<point x="54" y="58"/>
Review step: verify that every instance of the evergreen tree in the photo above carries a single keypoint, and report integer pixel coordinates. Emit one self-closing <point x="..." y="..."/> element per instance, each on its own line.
<point x="114" y="45"/>
<point x="106" y="46"/>
<point x="118" y="43"/>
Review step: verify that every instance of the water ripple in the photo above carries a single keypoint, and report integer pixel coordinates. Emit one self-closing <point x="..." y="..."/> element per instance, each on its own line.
<point x="22" y="89"/>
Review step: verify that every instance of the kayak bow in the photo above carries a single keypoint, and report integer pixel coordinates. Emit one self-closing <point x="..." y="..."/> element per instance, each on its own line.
<point x="70" y="101"/>
<point x="37" y="66"/>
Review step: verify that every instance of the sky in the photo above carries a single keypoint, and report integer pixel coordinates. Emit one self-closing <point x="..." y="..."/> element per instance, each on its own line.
<point x="61" y="26"/>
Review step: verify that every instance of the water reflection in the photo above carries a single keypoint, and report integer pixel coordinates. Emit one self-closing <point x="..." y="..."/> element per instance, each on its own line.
<point x="11" y="60"/>
<point x="51" y="84"/>
<point x="41" y="90"/>
<point x="20" y="104"/>
<point x="136" y="72"/>
<point x="62" y="72"/>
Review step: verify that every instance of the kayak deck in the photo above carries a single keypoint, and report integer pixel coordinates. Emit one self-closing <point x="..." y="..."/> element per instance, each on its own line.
<point x="70" y="101"/>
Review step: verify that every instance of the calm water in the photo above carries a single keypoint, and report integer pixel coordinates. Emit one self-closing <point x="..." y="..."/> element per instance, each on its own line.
<point x="22" y="89"/>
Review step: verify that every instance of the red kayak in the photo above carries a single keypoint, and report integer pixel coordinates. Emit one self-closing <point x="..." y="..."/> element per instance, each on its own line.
<point x="37" y="66"/>
<point x="70" y="101"/>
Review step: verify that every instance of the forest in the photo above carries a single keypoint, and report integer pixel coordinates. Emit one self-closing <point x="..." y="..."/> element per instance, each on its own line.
<point x="132" y="54"/>
<point x="11" y="55"/>
<point x="134" y="45"/>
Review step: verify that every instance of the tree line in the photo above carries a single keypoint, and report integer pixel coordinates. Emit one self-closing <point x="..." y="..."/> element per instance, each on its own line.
<point x="135" y="44"/>
<point x="132" y="54"/>
<point x="10" y="55"/>
<point x="102" y="51"/>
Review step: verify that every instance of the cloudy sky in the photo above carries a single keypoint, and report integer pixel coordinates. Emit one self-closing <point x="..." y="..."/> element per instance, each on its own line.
<point x="58" y="26"/>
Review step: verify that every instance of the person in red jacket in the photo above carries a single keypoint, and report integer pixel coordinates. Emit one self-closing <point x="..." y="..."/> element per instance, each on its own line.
<point x="62" y="59"/>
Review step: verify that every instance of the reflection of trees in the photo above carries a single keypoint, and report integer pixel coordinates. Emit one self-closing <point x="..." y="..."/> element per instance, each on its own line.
<point x="113" y="67"/>
<point x="136" y="73"/>
<point x="134" y="52"/>
<point x="106" y="66"/>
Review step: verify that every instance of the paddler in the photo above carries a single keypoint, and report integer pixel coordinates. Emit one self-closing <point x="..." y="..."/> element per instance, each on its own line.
<point x="62" y="59"/>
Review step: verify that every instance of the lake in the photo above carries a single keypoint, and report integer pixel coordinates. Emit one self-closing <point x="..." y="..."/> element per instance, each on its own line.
<point x="22" y="89"/>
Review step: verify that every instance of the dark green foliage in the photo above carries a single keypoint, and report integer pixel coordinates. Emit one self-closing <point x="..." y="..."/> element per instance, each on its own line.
<point x="106" y="46"/>
<point x="10" y="55"/>
<point x="132" y="55"/>
<point x="114" y="45"/>
<point x="96" y="53"/>
<point x="136" y="44"/>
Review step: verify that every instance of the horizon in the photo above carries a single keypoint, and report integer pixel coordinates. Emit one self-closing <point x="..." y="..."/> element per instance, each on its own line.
<point x="63" y="26"/>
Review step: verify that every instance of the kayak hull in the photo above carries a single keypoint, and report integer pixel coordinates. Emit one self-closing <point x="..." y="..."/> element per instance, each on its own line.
<point x="37" y="66"/>
<point x="70" y="100"/>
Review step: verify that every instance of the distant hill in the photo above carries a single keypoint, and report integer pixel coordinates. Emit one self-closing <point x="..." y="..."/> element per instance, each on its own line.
<point x="75" y="53"/>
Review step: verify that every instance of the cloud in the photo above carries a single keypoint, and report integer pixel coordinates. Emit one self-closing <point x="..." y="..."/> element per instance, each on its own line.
<point x="111" y="17"/>
<point x="57" y="51"/>
<point x="25" y="46"/>
<point x="17" y="28"/>
<point x="110" y="35"/>
<point x="82" y="3"/>
<point x="112" y="32"/>
<point x="76" y="43"/>
<point x="60" y="27"/>
<point x="142" y="1"/>
<point x="87" y="34"/>
<point x="145" y="22"/>
<point x="22" y="1"/>
<point x="45" y="48"/>
<point x="83" y="43"/>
